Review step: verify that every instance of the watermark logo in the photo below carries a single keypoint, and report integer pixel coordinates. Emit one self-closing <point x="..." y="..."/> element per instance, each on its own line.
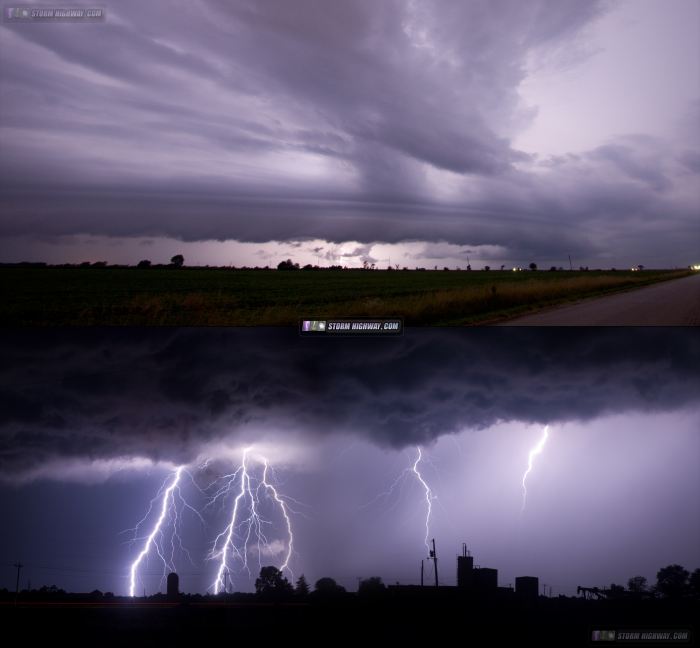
<point x="36" y="13"/>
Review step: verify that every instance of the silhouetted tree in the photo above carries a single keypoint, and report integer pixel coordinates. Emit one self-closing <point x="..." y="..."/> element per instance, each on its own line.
<point x="533" y="266"/>
<point x="640" y="267"/>
<point x="178" y="260"/>
<point x="302" y="588"/>
<point x="372" y="586"/>
<point x="672" y="581"/>
<point x="487" y="268"/>
<point x="328" y="586"/>
<point x="694" y="583"/>
<point x="144" y="263"/>
<point x="503" y="267"/>
<point x="272" y="582"/>
<point x="637" y="584"/>
<point x="287" y="265"/>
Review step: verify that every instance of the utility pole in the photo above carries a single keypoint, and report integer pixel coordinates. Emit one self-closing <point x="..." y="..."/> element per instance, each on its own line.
<point x="421" y="573"/>
<point x="19" y="566"/>
<point x="433" y="555"/>
<point x="571" y="267"/>
<point x="544" y="589"/>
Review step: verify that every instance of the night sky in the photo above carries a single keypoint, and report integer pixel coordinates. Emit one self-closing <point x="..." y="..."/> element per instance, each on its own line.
<point x="411" y="133"/>
<point x="94" y="421"/>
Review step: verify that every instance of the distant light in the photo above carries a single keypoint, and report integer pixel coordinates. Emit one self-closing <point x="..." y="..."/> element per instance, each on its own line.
<point x="696" y="266"/>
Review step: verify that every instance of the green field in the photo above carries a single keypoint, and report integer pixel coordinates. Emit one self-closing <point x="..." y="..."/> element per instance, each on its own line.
<point x="224" y="297"/>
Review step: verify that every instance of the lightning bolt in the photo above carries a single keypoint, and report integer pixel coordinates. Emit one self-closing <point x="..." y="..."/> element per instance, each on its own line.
<point x="283" y="507"/>
<point x="413" y="470"/>
<point x="533" y="453"/>
<point x="167" y="503"/>
<point x="246" y="523"/>
<point x="428" y="497"/>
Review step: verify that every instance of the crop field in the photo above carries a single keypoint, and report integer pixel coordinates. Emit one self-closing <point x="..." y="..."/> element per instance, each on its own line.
<point x="224" y="297"/>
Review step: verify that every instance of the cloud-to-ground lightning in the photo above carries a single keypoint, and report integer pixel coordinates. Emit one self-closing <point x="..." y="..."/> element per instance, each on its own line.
<point x="429" y="496"/>
<point x="167" y="503"/>
<point x="246" y="523"/>
<point x="533" y="453"/>
<point x="283" y="507"/>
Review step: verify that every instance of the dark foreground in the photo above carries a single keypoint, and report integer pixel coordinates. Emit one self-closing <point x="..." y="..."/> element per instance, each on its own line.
<point x="556" y="621"/>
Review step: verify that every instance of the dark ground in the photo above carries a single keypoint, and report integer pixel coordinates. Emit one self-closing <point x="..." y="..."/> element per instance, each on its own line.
<point x="388" y="621"/>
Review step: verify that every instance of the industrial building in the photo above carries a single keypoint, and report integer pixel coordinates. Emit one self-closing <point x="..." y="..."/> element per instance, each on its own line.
<point x="473" y="581"/>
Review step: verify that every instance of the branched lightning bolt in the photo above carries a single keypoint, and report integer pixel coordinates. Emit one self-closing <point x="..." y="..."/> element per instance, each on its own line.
<point x="533" y="453"/>
<point x="428" y="497"/>
<point x="167" y="504"/>
<point x="233" y="542"/>
<point x="285" y="514"/>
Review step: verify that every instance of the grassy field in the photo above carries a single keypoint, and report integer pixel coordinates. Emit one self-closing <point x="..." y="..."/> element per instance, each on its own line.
<point x="221" y="297"/>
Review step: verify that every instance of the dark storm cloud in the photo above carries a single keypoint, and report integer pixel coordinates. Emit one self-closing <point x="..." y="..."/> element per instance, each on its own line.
<point x="187" y="120"/>
<point x="96" y="395"/>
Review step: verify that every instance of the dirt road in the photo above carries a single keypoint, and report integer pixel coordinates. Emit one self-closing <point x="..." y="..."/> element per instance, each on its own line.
<point x="671" y="303"/>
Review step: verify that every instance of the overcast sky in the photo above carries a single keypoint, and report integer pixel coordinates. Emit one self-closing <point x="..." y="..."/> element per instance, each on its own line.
<point x="401" y="132"/>
<point x="94" y="421"/>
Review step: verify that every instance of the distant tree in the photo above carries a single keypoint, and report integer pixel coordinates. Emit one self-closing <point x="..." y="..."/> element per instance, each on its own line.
<point x="637" y="584"/>
<point x="372" y="586"/>
<point x="487" y="268"/>
<point x="272" y="582"/>
<point x="144" y="263"/>
<point x="327" y="586"/>
<point x="287" y="265"/>
<point x="694" y="583"/>
<point x="178" y="260"/>
<point x="308" y="266"/>
<point x="503" y="267"/>
<point x="553" y="269"/>
<point x="640" y="267"/>
<point x="533" y="266"/>
<point x="302" y="588"/>
<point x="365" y="265"/>
<point x="446" y="269"/>
<point x="99" y="264"/>
<point x="672" y="581"/>
<point x="469" y="268"/>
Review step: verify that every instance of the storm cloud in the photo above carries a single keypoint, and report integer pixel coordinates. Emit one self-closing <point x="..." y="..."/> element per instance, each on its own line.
<point x="94" y="396"/>
<point x="352" y="121"/>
